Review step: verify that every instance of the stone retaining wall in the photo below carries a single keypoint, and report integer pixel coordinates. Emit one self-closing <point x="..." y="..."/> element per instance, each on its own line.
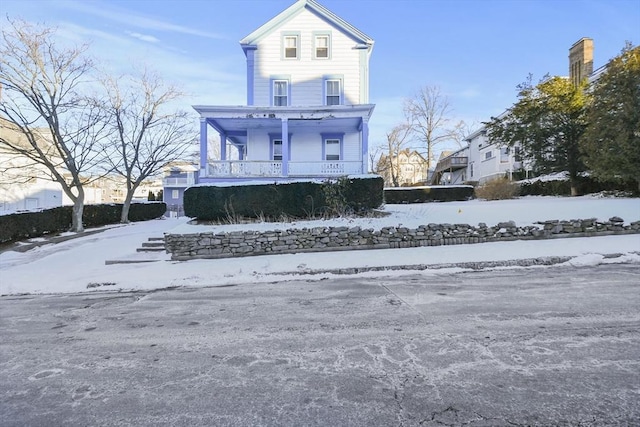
<point x="320" y="239"/>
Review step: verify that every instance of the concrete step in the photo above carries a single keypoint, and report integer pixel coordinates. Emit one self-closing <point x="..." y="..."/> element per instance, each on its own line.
<point x="156" y="239"/>
<point x="151" y="249"/>
<point x="153" y="244"/>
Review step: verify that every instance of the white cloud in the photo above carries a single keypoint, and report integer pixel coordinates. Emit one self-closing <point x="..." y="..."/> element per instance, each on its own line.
<point x="126" y="17"/>
<point x="143" y="37"/>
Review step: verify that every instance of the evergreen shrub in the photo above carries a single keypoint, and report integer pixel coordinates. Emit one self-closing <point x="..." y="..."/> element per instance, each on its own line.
<point x="302" y="199"/>
<point x="586" y="185"/>
<point x="436" y="193"/>
<point x="28" y="225"/>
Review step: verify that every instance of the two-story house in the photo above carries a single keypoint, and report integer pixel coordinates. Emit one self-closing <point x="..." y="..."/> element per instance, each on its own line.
<point x="407" y="168"/>
<point x="308" y="110"/>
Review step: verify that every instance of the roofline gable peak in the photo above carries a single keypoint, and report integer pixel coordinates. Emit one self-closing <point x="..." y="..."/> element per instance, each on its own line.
<point x="249" y="42"/>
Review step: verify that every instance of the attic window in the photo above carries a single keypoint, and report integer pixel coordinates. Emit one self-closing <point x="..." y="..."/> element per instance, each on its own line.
<point x="322" y="46"/>
<point x="290" y="47"/>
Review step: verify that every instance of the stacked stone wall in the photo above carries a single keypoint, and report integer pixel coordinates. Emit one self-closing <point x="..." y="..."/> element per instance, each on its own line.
<point x="322" y="239"/>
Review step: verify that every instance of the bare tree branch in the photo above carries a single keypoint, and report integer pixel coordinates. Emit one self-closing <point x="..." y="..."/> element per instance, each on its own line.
<point x="428" y="112"/>
<point x="146" y="133"/>
<point x="43" y="102"/>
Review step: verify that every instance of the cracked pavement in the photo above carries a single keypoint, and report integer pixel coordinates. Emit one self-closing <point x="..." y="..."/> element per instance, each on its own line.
<point x="524" y="347"/>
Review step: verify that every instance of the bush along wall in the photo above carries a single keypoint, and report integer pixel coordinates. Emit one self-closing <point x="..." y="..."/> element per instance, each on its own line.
<point x="586" y="185"/>
<point x="50" y="221"/>
<point x="436" y="193"/>
<point x="294" y="199"/>
<point x="321" y="239"/>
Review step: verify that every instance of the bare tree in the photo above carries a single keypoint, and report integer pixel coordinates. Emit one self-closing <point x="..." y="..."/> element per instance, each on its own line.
<point x="461" y="131"/>
<point x="389" y="164"/>
<point x="44" y="101"/>
<point x="146" y="132"/>
<point x="428" y="112"/>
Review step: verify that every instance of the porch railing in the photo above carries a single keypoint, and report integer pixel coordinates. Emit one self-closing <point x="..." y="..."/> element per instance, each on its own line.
<point x="248" y="169"/>
<point x="168" y="182"/>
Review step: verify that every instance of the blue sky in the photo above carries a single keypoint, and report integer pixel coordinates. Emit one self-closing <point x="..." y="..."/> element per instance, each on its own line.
<point x="475" y="51"/>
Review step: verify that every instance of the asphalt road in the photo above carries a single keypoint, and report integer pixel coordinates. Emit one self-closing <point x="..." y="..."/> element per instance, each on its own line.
<point x="552" y="346"/>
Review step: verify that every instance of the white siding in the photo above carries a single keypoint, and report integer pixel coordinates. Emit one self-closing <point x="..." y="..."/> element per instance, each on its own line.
<point x="307" y="73"/>
<point x="305" y="146"/>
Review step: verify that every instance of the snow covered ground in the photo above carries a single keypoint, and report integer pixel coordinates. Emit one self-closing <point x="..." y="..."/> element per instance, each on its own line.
<point x="78" y="265"/>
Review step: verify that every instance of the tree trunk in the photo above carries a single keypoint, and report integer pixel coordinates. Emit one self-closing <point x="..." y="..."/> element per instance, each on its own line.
<point x="124" y="216"/>
<point x="573" y="183"/>
<point x="76" y="217"/>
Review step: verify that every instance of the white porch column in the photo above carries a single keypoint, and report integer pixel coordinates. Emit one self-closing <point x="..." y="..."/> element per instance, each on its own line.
<point x="203" y="147"/>
<point x="365" y="145"/>
<point x="285" y="147"/>
<point x="223" y="146"/>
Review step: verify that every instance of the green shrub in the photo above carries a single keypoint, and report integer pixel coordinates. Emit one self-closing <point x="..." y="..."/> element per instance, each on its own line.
<point x="295" y="199"/>
<point x="497" y="189"/>
<point x="28" y="225"/>
<point x="436" y="193"/>
<point x="586" y="185"/>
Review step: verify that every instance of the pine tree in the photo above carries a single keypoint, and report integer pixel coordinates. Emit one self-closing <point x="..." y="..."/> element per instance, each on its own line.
<point x="611" y="144"/>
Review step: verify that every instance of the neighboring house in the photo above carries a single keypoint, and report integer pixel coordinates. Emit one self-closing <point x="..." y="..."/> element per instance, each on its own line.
<point x="480" y="161"/>
<point x="490" y="161"/>
<point x="178" y="176"/>
<point x="409" y="168"/>
<point x="307" y="112"/>
<point x="451" y="167"/>
<point x="23" y="184"/>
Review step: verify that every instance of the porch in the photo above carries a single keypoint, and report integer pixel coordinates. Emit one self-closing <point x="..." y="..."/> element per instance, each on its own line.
<point x="280" y="142"/>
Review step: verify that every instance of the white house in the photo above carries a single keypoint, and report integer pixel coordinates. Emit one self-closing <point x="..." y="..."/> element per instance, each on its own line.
<point x="178" y="176"/>
<point x="307" y="112"/>
<point x="24" y="185"/>
<point x="409" y="168"/>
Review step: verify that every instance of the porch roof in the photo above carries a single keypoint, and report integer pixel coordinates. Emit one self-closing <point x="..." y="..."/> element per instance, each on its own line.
<point x="236" y="121"/>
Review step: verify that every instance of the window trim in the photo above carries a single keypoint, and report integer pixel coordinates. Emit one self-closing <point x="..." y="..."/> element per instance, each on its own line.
<point x="272" y="81"/>
<point x="332" y="77"/>
<point x="283" y="45"/>
<point x="175" y="194"/>
<point x="316" y="35"/>
<point x="332" y="136"/>
<point x="273" y="137"/>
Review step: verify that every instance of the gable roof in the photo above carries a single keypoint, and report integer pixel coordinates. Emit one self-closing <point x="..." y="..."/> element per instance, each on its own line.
<point x="313" y="6"/>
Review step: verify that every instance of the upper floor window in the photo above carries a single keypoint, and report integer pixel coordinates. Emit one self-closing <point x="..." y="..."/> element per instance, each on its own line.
<point x="333" y="92"/>
<point x="322" y="42"/>
<point x="290" y="46"/>
<point x="488" y="155"/>
<point x="280" y="93"/>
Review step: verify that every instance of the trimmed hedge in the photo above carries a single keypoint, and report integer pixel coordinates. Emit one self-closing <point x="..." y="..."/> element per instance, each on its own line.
<point x="35" y="224"/>
<point x="586" y="185"/>
<point x="295" y="199"/>
<point x="436" y="193"/>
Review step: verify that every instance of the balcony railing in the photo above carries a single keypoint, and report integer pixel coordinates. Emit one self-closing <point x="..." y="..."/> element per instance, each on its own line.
<point x="168" y="182"/>
<point x="250" y="169"/>
<point x="452" y="163"/>
<point x="329" y="168"/>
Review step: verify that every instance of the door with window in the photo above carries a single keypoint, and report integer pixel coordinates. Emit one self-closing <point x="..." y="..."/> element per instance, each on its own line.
<point x="277" y="149"/>
<point x="332" y="149"/>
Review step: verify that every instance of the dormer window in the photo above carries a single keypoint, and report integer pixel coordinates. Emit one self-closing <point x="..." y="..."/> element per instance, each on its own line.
<point x="321" y="44"/>
<point x="290" y="46"/>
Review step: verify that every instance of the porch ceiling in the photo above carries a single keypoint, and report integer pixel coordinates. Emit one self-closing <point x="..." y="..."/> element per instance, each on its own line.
<point x="236" y="128"/>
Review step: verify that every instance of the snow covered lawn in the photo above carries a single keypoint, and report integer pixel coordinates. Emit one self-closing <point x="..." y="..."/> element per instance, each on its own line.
<point x="78" y="265"/>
